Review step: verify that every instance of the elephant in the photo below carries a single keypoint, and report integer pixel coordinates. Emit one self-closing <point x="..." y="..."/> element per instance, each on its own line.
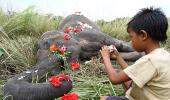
<point x="87" y="42"/>
<point x="82" y="38"/>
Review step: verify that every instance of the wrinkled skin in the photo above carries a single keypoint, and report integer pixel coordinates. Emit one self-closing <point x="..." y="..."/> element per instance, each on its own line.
<point x="20" y="87"/>
<point x="83" y="45"/>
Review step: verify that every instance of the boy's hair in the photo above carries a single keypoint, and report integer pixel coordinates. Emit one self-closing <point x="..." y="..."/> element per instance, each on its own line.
<point x="151" y="20"/>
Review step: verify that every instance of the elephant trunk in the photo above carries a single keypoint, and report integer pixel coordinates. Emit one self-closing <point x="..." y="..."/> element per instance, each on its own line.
<point x="20" y="87"/>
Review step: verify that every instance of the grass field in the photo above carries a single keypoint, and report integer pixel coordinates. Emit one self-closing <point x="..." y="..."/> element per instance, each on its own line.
<point x="19" y="33"/>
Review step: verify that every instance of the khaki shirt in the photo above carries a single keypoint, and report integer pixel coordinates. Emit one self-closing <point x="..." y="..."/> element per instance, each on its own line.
<point x="151" y="77"/>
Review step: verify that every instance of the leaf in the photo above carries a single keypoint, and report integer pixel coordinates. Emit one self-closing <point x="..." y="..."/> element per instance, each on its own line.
<point x="1" y="52"/>
<point x="67" y="54"/>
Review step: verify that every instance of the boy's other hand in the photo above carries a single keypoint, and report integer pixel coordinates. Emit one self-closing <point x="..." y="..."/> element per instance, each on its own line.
<point x="114" y="53"/>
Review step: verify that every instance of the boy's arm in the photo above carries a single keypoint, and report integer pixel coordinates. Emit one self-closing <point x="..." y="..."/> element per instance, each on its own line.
<point x="120" y="60"/>
<point x="120" y="76"/>
<point x="116" y="76"/>
<point x="116" y="55"/>
<point x="123" y="64"/>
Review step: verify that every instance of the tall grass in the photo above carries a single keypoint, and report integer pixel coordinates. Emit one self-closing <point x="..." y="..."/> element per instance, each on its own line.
<point x="167" y="45"/>
<point x="115" y="28"/>
<point x="28" y="22"/>
<point x="19" y="33"/>
<point x="20" y="53"/>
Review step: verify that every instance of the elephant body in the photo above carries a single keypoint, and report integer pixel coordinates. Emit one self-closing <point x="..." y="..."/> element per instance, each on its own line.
<point x="83" y="44"/>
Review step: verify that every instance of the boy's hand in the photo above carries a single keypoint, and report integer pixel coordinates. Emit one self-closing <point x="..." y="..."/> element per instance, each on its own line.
<point x="105" y="52"/>
<point x="116" y="55"/>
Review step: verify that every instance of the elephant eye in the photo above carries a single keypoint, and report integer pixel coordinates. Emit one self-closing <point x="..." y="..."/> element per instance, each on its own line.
<point x="46" y="45"/>
<point x="59" y="43"/>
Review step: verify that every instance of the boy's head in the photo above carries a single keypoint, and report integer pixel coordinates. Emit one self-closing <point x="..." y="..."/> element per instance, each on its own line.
<point x="152" y="21"/>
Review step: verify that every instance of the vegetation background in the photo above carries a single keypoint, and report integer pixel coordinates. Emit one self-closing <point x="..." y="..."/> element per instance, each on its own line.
<point x="19" y="33"/>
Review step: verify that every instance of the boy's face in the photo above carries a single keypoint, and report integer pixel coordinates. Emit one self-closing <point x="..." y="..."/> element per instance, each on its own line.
<point x="137" y="41"/>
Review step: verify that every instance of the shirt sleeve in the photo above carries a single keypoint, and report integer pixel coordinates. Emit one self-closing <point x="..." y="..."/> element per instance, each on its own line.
<point x="141" y="71"/>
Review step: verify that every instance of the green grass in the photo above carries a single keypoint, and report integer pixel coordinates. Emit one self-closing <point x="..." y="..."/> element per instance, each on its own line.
<point x="27" y="22"/>
<point x="1" y="90"/>
<point x="115" y="28"/>
<point x="19" y="33"/>
<point x="91" y="82"/>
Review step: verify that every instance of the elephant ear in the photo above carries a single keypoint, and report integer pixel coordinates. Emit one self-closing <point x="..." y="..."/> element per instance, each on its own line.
<point x="1" y="52"/>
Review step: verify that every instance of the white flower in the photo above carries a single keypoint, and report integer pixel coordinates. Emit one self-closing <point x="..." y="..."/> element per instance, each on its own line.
<point x="28" y="72"/>
<point x="19" y="78"/>
<point x="36" y="71"/>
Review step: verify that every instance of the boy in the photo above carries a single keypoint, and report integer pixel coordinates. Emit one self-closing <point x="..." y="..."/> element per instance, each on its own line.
<point x="149" y="77"/>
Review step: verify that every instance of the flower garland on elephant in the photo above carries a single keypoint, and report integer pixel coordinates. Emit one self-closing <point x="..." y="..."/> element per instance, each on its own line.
<point x="62" y="53"/>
